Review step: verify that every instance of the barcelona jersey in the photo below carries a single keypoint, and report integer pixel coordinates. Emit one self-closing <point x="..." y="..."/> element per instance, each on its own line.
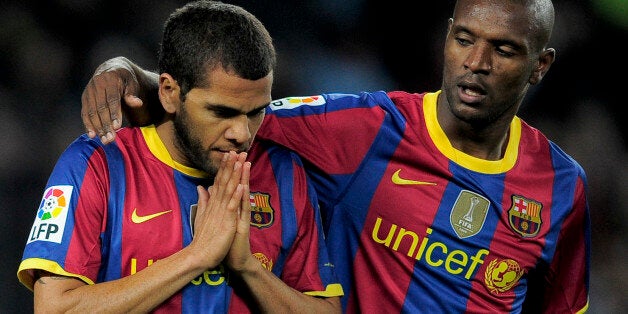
<point x="416" y="226"/>
<point x="109" y="211"/>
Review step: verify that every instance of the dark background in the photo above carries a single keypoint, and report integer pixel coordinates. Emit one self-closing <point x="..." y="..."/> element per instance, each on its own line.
<point x="49" y="49"/>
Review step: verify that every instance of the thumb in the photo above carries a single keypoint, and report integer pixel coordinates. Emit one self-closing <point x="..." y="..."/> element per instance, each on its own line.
<point x="244" y="221"/>
<point x="133" y="101"/>
<point x="131" y="93"/>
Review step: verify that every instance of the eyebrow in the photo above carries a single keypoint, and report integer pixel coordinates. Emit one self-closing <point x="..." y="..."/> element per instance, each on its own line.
<point x="495" y="42"/>
<point x="231" y="111"/>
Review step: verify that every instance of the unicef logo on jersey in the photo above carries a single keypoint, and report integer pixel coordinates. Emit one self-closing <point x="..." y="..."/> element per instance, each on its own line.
<point x="51" y="216"/>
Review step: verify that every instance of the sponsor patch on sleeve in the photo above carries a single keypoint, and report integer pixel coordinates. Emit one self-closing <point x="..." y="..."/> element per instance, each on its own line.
<point x="293" y="102"/>
<point x="52" y="214"/>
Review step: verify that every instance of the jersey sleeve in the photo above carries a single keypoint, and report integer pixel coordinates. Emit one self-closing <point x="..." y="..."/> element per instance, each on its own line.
<point x="70" y="217"/>
<point x="332" y="132"/>
<point x="567" y="281"/>
<point x="306" y="266"/>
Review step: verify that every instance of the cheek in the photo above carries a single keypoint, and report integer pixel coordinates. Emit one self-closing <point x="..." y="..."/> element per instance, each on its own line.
<point x="255" y="123"/>
<point x="512" y="80"/>
<point x="208" y="132"/>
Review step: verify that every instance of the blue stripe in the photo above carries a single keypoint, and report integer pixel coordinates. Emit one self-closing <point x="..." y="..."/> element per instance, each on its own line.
<point x="430" y="285"/>
<point x="69" y="170"/>
<point x="284" y="177"/>
<point x="562" y="198"/>
<point x="111" y="267"/>
<point x="343" y="241"/>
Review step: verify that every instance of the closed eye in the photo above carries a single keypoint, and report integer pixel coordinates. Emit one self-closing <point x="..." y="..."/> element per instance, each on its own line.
<point x="224" y="112"/>
<point x="257" y="112"/>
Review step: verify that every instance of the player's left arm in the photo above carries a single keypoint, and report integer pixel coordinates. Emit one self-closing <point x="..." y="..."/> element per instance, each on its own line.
<point x="567" y="280"/>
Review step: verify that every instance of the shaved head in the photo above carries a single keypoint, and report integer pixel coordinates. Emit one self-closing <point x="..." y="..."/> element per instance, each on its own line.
<point x="539" y="16"/>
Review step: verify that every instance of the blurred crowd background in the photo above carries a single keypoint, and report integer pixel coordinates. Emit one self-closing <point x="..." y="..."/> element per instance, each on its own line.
<point x="49" y="50"/>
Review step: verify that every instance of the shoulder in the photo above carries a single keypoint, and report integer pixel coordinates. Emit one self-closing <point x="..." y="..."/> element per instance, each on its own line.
<point x="535" y="140"/>
<point x="265" y="151"/>
<point x="402" y="97"/>
<point x="329" y="101"/>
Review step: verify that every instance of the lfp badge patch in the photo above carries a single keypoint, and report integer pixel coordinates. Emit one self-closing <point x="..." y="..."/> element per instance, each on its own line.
<point x="293" y="102"/>
<point x="52" y="214"/>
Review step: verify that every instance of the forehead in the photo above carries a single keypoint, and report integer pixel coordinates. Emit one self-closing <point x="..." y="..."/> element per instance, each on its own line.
<point x="226" y="88"/>
<point x="502" y="19"/>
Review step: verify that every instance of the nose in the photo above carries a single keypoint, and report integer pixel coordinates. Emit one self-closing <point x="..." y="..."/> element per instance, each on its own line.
<point x="479" y="58"/>
<point x="238" y="130"/>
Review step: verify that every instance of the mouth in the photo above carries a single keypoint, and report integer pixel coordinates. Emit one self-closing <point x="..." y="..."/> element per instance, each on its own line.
<point x="471" y="93"/>
<point x="226" y="150"/>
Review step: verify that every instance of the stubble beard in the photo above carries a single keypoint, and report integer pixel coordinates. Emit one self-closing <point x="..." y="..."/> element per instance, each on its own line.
<point x="190" y="146"/>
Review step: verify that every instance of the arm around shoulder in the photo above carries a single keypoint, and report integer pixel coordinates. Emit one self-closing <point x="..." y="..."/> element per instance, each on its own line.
<point x="119" y="89"/>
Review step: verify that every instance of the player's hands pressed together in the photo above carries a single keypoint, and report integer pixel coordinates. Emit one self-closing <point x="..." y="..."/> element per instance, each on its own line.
<point x="221" y="225"/>
<point x="239" y="256"/>
<point x="102" y="112"/>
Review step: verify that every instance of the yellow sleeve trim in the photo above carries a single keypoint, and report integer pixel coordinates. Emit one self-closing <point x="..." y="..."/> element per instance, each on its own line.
<point x="585" y="308"/>
<point x="26" y="271"/>
<point x="333" y="290"/>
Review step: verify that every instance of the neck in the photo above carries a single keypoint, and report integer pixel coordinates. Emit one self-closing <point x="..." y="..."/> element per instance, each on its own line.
<point x="485" y="141"/>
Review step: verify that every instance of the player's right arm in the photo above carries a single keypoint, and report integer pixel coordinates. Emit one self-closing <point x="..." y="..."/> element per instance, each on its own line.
<point x="57" y="291"/>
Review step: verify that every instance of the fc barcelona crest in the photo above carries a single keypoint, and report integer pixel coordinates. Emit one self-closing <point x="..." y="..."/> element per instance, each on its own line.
<point x="262" y="214"/>
<point x="524" y="216"/>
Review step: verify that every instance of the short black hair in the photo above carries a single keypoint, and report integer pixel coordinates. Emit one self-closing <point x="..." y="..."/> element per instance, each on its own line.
<point x="204" y="34"/>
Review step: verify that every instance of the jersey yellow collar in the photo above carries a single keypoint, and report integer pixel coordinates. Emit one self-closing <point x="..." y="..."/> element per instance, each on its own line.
<point x="467" y="161"/>
<point x="157" y="147"/>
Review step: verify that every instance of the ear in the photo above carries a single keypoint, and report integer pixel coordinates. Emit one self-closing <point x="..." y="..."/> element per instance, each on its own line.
<point x="546" y="58"/>
<point x="450" y="23"/>
<point x="169" y="92"/>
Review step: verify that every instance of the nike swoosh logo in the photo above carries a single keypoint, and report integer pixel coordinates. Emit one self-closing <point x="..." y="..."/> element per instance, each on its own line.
<point x="396" y="179"/>
<point x="140" y="219"/>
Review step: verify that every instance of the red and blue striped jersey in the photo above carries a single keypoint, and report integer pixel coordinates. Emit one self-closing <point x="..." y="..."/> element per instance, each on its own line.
<point x="109" y="211"/>
<point x="416" y="226"/>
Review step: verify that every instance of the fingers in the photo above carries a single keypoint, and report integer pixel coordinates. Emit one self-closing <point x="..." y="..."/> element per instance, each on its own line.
<point x="217" y="220"/>
<point x="203" y="195"/>
<point x="240" y="255"/>
<point x="245" y="207"/>
<point x="229" y="174"/>
<point x="225" y="195"/>
<point x="110" y="113"/>
<point x="101" y="101"/>
<point x="88" y="111"/>
<point x="101" y="108"/>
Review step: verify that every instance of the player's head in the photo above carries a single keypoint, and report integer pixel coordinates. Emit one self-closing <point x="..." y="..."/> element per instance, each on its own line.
<point x="494" y="50"/>
<point x="205" y="34"/>
<point x="216" y="67"/>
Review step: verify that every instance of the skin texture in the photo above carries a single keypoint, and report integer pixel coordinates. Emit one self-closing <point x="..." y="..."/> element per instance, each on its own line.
<point x="493" y="52"/>
<point x="212" y="120"/>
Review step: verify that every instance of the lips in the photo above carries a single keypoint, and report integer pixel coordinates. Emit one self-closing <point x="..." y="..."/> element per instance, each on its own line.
<point x="471" y="92"/>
